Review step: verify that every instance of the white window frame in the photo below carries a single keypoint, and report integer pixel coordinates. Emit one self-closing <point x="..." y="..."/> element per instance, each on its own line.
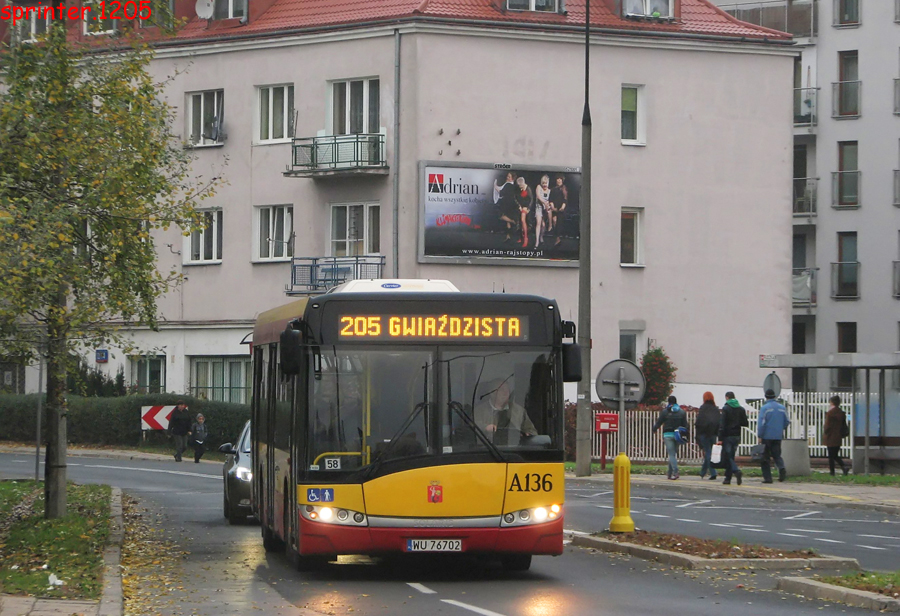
<point x="287" y="114"/>
<point x="27" y="28"/>
<point x="218" y="110"/>
<point x="154" y="21"/>
<point x="135" y="366"/>
<point x="216" y="234"/>
<point x="367" y="129"/>
<point x="287" y="213"/>
<point x="367" y="231"/>
<point x="221" y="388"/>
<point x="235" y="9"/>
<point x="638" y="236"/>
<point x="87" y="29"/>
<point x="532" y="6"/>
<point x="628" y="6"/>
<point x="641" y="119"/>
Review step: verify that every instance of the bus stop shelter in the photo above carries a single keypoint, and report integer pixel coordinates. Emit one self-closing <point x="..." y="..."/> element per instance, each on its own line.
<point x="876" y="404"/>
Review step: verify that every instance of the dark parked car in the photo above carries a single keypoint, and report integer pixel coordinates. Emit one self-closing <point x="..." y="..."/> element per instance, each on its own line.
<point x="237" y="474"/>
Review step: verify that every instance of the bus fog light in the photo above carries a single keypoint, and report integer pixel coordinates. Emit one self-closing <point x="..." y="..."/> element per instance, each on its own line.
<point x="540" y="514"/>
<point x="342" y="515"/>
<point x="524" y="515"/>
<point x="326" y="513"/>
<point x="509" y="518"/>
<point x="310" y="509"/>
<point x="555" y="508"/>
<point x="358" y="518"/>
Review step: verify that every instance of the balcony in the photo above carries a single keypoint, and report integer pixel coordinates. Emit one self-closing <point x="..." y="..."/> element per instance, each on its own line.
<point x="805" y="196"/>
<point x="845" y="187"/>
<point x="319" y="274"/>
<point x="797" y="17"/>
<point x="845" y="280"/>
<point x="897" y="279"/>
<point x="897" y="11"/>
<point x="846" y="13"/>
<point x="805" y="104"/>
<point x="897" y="89"/>
<point x="338" y="155"/>
<point x="805" y="287"/>
<point x="896" y="188"/>
<point x="846" y="99"/>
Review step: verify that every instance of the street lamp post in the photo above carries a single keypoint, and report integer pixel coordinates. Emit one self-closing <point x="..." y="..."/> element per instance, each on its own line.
<point x="583" y="410"/>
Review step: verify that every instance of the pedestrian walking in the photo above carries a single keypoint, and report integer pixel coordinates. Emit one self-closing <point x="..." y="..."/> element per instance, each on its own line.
<point x="734" y="417"/>
<point x="834" y="432"/>
<point x="179" y="428"/>
<point x="671" y="419"/>
<point x="198" y="436"/>
<point x="706" y="427"/>
<point x="773" y="421"/>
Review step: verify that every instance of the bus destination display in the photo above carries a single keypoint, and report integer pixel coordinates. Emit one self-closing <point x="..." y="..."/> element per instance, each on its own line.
<point x="509" y="328"/>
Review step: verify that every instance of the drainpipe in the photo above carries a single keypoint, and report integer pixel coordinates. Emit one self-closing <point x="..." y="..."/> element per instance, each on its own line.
<point x="395" y="206"/>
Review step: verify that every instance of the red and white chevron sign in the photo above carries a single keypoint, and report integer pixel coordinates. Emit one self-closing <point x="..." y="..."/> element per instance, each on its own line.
<point x="156" y="417"/>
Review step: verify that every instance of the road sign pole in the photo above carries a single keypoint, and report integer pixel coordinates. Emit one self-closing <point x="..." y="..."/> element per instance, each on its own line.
<point x="623" y="425"/>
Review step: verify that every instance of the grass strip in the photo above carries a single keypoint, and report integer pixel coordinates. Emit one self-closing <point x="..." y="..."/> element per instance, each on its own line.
<point x="705" y="548"/>
<point x="71" y="547"/>
<point x="887" y="584"/>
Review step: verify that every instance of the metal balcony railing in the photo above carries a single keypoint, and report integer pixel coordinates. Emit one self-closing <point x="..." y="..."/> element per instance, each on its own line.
<point x="897" y="187"/>
<point x="805" y="286"/>
<point x="846" y="99"/>
<point x="897" y="279"/>
<point x="846" y="13"/>
<point x="805" y="106"/>
<point x="318" y="274"/>
<point x="798" y="17"/>
<point x="897" y="11"/>
<point x="333" y="152"/>
<point x="805" y="196"/>
<point x="897" y="89"/>
<point x="845" y="188"/>
<point x="845" y="280"/>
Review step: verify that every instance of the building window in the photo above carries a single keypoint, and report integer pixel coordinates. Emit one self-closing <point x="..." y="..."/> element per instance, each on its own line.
<point x="845" y="273"/>
<point x="205" y="114"/>
<point x="161" y="13"/>
<point x="633" y="115"/>
<point x="847" y="178"/>
<point x="148" y="374"/>
<point x="847" y="93"/>
<point x="225" y="379"/>
<point x="846" y="343"/>
<point x="276" y="113"/>
<point x="93" y="23"/>
<point x="355" y="107"/>
<point x="228" y="9"/>
<point x="547" y="6"/>
<point x="205" y="245"/>
<point x="630" y="249"/>
<point x="628" y="346"/>
<point x="648" y="8"/>
<point x="33" y="25"/>
<point x="846" y="12"/>
<point x="275" y="232"/>
<point x="355" y="230"/>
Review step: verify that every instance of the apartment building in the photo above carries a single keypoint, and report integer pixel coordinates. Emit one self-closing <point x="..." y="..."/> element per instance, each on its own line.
<point x="846" y="187"/>
<point x="377" y="142"/>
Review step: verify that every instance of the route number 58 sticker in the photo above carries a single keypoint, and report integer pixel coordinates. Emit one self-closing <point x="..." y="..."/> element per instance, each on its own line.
<point x="531" y="482"/>
<point x="332" y="464"/>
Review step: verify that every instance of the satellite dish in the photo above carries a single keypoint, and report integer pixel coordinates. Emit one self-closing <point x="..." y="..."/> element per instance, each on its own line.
<point x="772" y="382"/>
<point x="608" y="383"/>
<point x="204" y="8"/>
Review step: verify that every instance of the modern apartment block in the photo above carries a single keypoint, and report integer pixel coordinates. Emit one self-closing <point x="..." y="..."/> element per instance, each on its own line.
<point x="377" y="142"/>
<point x="846" y="188"/>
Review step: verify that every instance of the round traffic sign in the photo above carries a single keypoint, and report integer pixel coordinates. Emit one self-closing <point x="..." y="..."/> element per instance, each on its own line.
<point x="772" y="382"/>
<point x="608" y="379"/>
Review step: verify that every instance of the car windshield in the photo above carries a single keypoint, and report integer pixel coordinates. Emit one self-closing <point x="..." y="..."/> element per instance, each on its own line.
<point x="244" y="444"/>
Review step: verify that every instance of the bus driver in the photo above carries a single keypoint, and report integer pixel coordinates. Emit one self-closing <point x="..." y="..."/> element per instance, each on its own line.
<point x="497" y="412"/>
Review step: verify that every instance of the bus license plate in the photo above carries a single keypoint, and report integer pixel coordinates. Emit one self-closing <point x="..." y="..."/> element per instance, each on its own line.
<point x="434" y="545"/>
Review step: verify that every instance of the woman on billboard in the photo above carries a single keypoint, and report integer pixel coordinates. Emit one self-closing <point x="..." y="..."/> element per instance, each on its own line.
<point x="542" y="194"/>
<point x="525" y="200"/>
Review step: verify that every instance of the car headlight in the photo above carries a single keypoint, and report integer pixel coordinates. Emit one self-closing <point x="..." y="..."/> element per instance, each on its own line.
<point x="244" y="474"/>
<point x="534" y="515"/>
<point x="333" y="515"/>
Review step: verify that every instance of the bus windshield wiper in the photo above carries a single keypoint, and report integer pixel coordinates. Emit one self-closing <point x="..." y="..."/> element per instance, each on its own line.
<point x="458" y="409"/>
<point x="421" y="406"/>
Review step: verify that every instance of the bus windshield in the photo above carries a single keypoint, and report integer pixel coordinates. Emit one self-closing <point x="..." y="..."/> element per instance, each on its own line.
<point x="368" y="406"/>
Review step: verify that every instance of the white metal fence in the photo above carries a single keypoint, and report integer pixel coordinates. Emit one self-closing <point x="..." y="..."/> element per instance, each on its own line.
<point x="807" y="413"/>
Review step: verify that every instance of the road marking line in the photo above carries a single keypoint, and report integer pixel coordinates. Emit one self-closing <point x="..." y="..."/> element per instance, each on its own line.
<point x="149" y="470"/>
<point x="755" y="530"/>
<point x="686" y="520"/>
<point x="471" y="608"/>
<point x="802" y="515"/>
<point x="881" y="537"/>
<point x="806" y="530"/>
<point x="594" y="495"/>
<point x="657" y="515"/>
<point x="422" y="588"/>
<point x="827" y="540"/>
<point x="694" y="503"/>
<point x="749" y="525"/>
<point x="793" y="535"/>
<point x="870" y="547"/>
<point x="722" y="525"/>
<point x="603" y="506"/>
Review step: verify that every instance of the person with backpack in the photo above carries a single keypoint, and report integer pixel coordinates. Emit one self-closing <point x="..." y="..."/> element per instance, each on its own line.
<point x="835" y="431"/>
<point x="672" y="419"/>
<point x="773" y="421"/>
<point x="706" y="427"/>
<point x="734" y="417"/>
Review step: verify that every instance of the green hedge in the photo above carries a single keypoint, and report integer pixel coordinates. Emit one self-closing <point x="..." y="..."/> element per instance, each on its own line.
<point x="117" y="421"/>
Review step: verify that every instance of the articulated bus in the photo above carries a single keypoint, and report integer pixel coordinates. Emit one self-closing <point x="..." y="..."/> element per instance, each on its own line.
<point x="397" y="416"/>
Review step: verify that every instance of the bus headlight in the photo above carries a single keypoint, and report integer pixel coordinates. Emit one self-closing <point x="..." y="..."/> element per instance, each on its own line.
<point x="534" y="515"/>
<point x="333" y="515"/>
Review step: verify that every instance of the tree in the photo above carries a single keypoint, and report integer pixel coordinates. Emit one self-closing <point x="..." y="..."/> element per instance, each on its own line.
<point x="659" y="371"/>
<point x="89" y="167"/>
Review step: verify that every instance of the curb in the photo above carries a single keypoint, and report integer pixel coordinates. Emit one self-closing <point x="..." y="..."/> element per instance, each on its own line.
<point x="112" y="599"/>
<point x="99" y="453"/>
<point x="697" y="562"/>
<point x="813" y="589"/>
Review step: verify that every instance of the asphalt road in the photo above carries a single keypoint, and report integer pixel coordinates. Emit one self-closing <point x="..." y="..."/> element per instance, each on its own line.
<point x="224" y="569"/>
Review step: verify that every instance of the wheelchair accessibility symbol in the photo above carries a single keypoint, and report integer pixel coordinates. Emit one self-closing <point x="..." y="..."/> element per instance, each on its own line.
<point x="320" y="495"/>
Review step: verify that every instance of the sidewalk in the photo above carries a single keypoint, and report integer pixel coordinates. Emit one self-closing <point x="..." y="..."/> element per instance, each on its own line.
<point x="115" y="454"/>
<point x="29" y="606"/>
<point x="880" y="498"/>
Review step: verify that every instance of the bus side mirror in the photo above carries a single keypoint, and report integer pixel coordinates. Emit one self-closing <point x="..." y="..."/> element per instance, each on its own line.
<point x="290" y="352"/>
<point x="571" y="357"/>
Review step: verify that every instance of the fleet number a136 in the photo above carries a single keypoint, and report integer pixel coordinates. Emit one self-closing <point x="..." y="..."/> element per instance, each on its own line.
<point x="531" y="482"/>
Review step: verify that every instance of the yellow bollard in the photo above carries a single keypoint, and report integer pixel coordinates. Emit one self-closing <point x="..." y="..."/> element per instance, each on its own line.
<point x="621" y="522"/>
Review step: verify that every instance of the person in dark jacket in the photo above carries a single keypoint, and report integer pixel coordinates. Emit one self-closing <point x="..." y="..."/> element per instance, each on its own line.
<point x="179" y="428"/>
<point x="833" y="434"/>
<point x="734" y="417"/>
<point x="706" y="427"/>
<point x="198" y="435"/>
<point x="671" y="418"/>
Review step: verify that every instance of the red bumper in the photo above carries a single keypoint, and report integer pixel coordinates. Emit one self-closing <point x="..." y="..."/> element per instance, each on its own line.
<point x="319" y="538"/>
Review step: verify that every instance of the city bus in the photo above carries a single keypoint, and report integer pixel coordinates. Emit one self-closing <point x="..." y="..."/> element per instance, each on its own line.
<point x="404" y="416"/>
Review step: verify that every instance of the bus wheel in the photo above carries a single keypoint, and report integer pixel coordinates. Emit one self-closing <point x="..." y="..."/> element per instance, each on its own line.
<point x="517" y="562"/>
<point x="271" y="542"/>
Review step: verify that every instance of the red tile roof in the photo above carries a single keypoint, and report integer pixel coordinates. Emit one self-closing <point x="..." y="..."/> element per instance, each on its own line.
<point x="698" y="17"/>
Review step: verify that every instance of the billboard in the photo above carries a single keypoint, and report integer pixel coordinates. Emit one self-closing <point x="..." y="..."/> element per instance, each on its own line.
<point x="522" y="215"/>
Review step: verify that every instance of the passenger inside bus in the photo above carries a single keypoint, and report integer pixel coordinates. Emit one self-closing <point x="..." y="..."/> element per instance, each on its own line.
<point x="502" y="419"/>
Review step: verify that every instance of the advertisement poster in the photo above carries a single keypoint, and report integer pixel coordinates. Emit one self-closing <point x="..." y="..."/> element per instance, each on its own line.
<point x="527" y="215"/>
